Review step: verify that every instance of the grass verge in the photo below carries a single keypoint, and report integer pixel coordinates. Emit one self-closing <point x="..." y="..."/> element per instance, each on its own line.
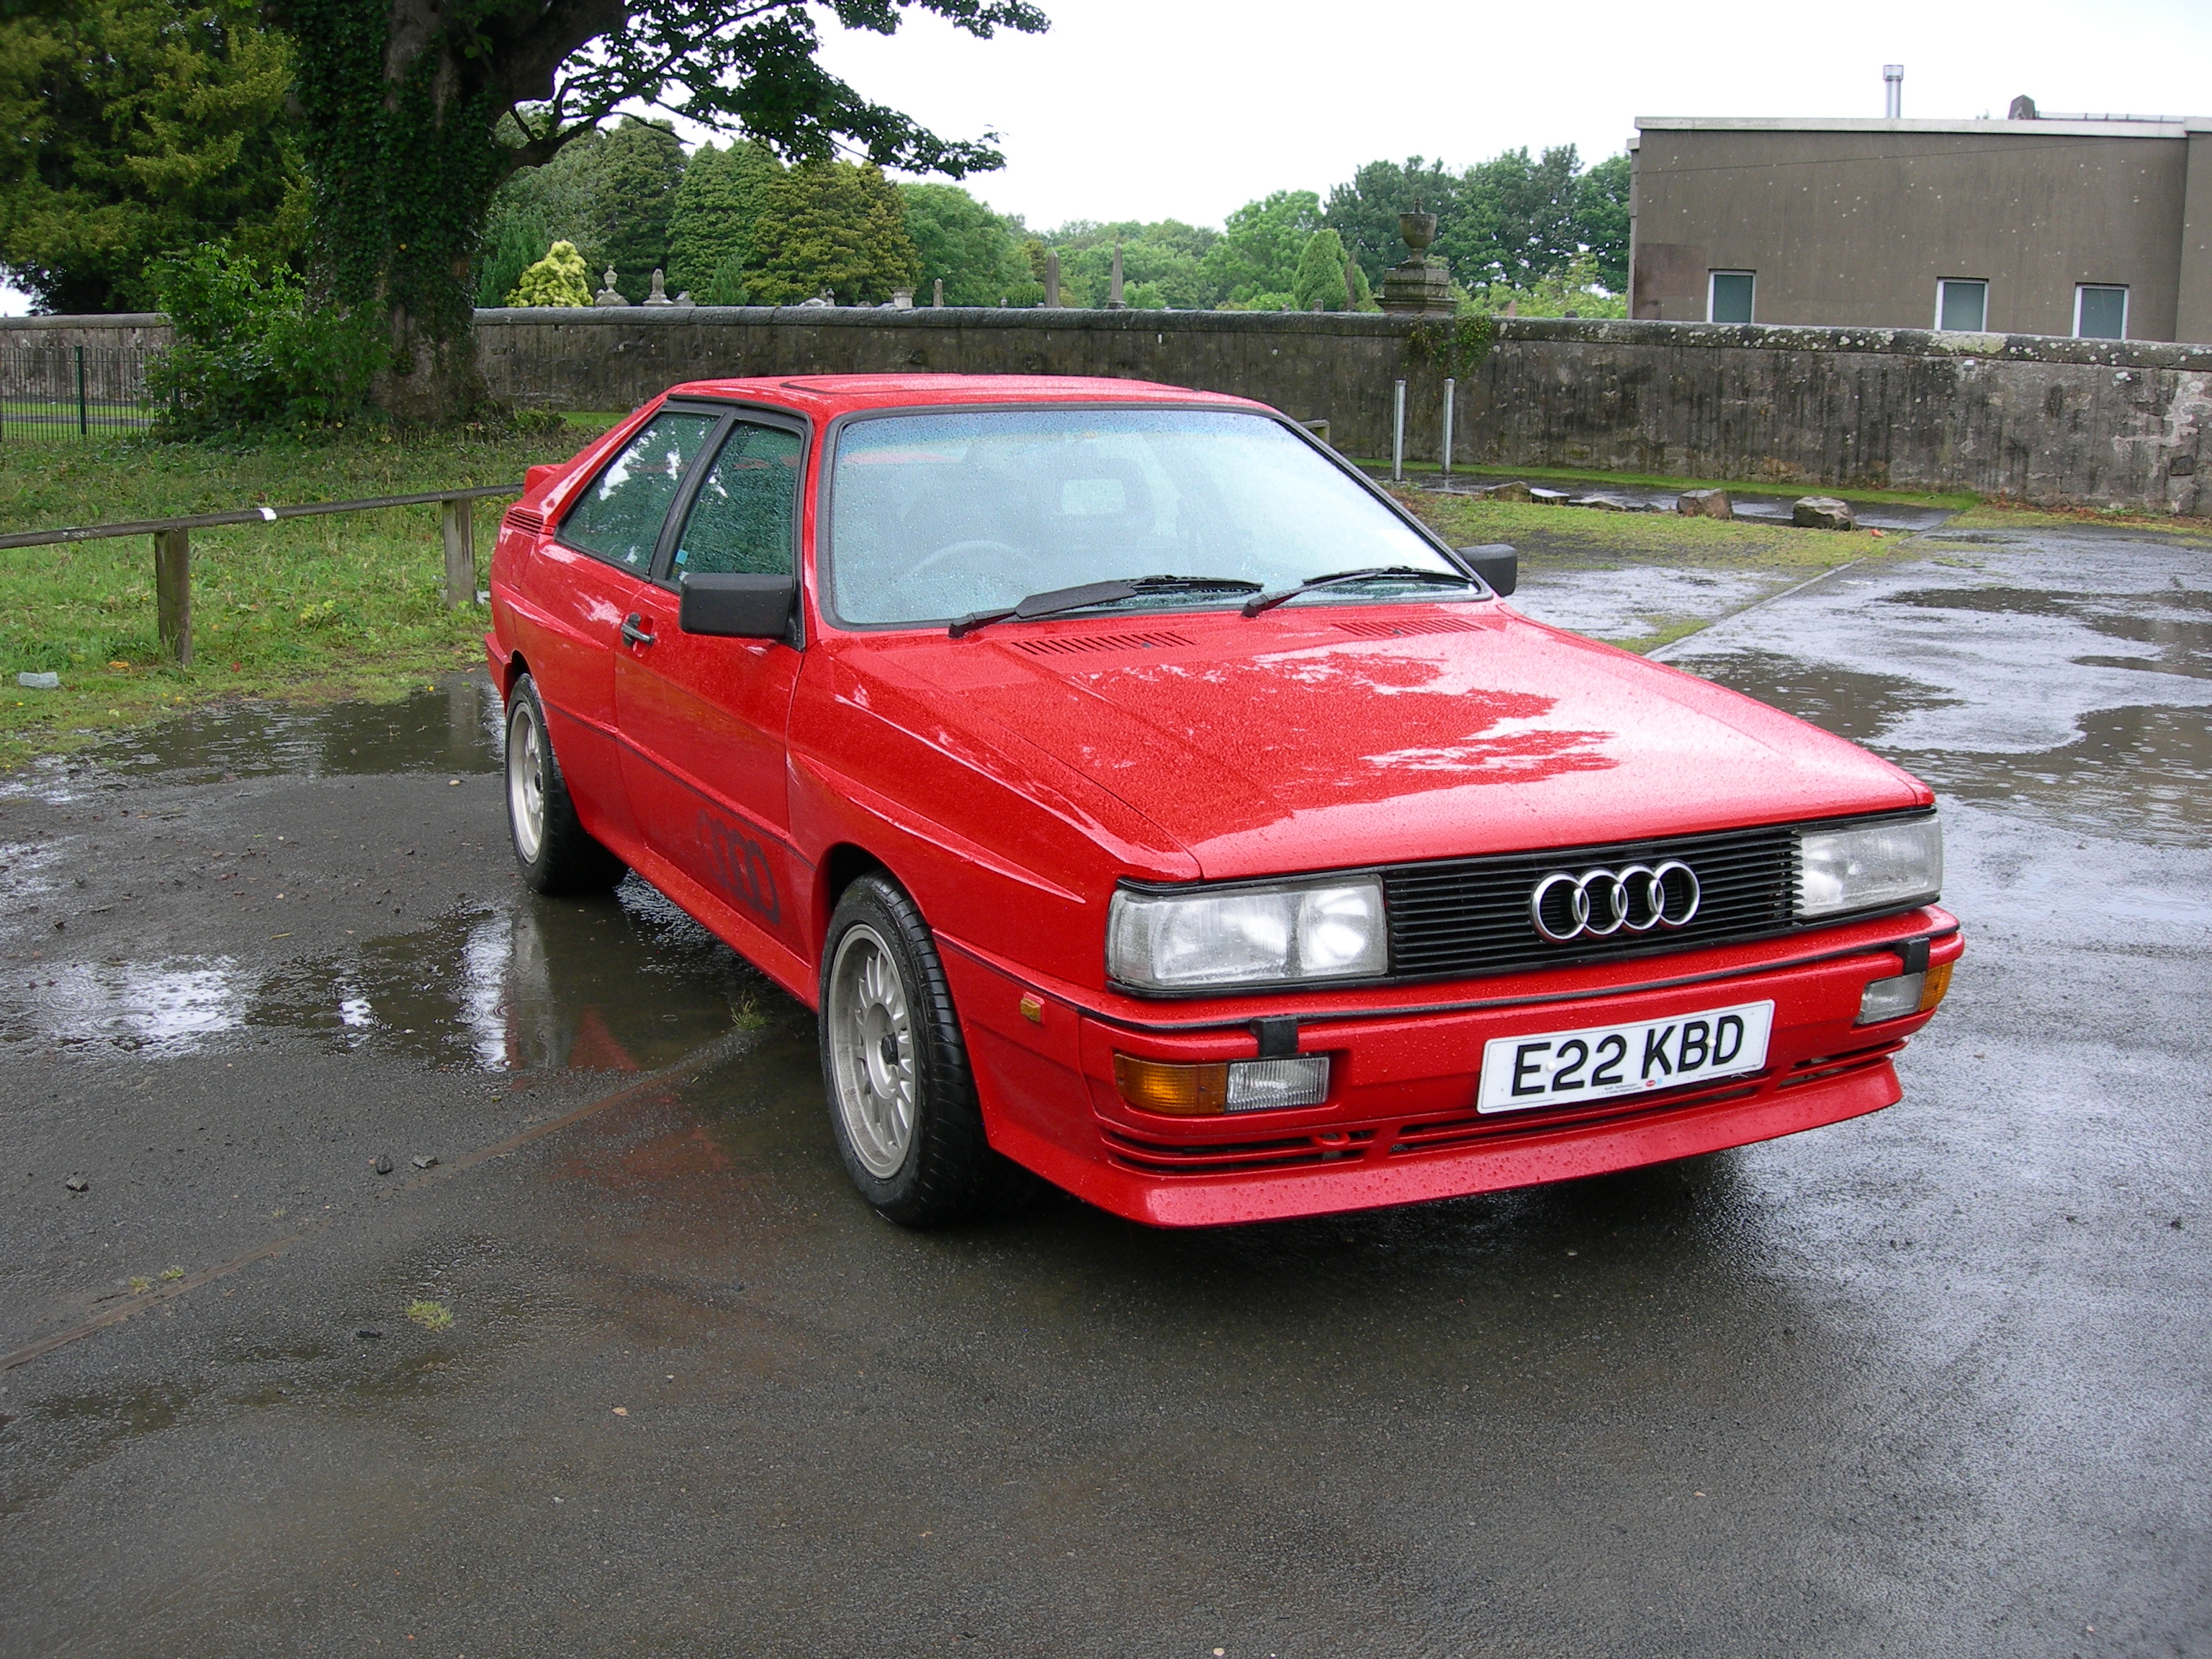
<point x="1957" y="502"/>
<point x="347" y="605"/>
<point x="1580" y="537"/>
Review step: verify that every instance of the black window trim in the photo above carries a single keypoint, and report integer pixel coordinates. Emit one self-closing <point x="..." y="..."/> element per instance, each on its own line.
<point x="730" y="416"/>
<point x="825" y="504"/>
<point x="676" y="405"/>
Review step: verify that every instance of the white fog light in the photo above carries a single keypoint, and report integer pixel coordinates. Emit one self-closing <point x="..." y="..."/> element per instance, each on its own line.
<point x="1259" y="1086"/>
<point x="1869" y="866"/>
<point x="1890" y="999"/>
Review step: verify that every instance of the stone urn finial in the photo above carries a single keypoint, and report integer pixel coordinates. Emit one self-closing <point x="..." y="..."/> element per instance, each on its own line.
<point x="609" y="294"/>
<point x="1418" y="288"/>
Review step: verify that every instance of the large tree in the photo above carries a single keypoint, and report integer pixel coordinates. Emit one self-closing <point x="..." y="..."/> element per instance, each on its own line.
<point x="404" y="101"/>
<point x="724" y="193"/>
<point x="831" y="227"/>
<point x="964" y="245"/>
<point x="141" y="128"/>
<point x="1256" y="260"/>
<point x="640" y="169"/>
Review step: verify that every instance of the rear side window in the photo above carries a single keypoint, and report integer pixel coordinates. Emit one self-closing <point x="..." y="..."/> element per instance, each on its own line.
<point x="620" y="516"/>
<point x="740" y="521"/>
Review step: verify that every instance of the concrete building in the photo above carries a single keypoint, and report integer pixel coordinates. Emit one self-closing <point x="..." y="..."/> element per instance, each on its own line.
<point x="2097" y="227"/>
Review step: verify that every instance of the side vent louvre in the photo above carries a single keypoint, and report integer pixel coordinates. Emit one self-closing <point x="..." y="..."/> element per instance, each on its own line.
<point x="1383" y="630"/>
<point x="523" y="519"/>
<point x="1071" y="644"/>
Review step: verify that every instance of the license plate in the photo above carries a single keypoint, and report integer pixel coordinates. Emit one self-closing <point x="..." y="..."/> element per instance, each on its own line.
<point x="1599" y="1062"/>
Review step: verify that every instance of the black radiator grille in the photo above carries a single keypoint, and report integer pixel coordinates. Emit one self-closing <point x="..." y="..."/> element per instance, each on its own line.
<point x="1463" y="918"/>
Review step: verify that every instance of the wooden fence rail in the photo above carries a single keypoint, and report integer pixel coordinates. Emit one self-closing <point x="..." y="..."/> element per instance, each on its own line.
<point x="173" y="547"/>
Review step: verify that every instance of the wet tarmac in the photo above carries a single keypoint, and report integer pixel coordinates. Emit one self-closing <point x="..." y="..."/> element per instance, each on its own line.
<point x="624" y="1364"/>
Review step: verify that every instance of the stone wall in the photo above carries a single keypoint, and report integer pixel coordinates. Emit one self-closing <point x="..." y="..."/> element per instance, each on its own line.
<point x="2034" y="419"/>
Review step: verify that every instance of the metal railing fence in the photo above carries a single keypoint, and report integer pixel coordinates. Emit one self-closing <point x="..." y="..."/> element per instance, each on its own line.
<point x="66" y="391"/>
<point x="173" y="547"/>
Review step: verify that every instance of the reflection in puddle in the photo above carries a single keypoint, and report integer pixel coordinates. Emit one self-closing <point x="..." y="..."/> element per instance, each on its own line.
<point x="155" y="1008"/>
<point x="621" y="984"/>
<point x="1850" y="702"/>
<point x="453" y="729"/>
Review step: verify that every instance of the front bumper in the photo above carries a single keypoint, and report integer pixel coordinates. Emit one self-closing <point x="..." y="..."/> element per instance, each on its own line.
<point x="1399" y="1124"/>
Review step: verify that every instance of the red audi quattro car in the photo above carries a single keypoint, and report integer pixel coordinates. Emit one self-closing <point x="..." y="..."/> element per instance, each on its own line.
<point x="1144" y="799"/>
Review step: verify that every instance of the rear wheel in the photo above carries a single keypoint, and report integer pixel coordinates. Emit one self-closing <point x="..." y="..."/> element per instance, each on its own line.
<point x="902" y="1099"/>
<point x="555" y="851"/>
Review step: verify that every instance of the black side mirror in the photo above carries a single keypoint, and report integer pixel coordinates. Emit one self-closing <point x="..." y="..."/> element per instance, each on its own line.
<point x="1496" y="564"/>
<point x="739" y="607"/>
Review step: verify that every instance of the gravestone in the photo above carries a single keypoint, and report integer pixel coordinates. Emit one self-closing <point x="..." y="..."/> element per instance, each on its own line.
<point x="608" y="294"/>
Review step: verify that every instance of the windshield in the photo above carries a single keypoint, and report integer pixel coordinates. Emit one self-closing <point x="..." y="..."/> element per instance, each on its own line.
<point x="941" y="515"/>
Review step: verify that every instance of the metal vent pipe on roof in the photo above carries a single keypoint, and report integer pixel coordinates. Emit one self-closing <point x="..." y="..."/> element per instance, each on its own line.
<point x="1892" y="92"/>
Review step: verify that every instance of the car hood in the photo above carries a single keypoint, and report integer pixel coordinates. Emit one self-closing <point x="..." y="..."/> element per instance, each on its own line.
<point x="1342" y="737"/>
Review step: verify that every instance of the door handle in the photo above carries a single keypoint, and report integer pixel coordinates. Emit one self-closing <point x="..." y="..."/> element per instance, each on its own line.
<point x="634" y="630"/>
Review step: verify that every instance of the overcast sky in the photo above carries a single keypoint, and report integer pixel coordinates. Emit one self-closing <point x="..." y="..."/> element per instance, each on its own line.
<point x="1144" y="109"/>
<point x="1148" y="109"/>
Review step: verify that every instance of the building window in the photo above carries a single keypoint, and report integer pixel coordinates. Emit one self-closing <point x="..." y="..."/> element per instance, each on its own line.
<point x="1962" y="305"/>
<point x="1729" y="299"/>
<point x="2101" y="312"/>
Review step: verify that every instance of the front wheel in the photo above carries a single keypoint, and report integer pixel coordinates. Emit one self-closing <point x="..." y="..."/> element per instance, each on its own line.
<point x="902" y="1099"/>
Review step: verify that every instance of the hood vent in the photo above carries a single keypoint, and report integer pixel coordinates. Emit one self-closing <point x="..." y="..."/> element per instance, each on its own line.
<point x="1071" y="644"/>
<point x="1399" y="630"/>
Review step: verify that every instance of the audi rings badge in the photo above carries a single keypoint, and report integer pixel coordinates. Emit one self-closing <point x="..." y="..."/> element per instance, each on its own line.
<point x="1599" y="904"/>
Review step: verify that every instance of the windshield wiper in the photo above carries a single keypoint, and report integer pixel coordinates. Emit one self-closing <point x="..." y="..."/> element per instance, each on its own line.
<point x="1054" y="600"/>
<point x="1260" y="602"/>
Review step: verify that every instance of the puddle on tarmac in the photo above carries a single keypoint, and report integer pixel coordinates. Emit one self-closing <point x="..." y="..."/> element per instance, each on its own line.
<point x="452" y="728"/>
<point x="605" y="984"/>
<point x="1851" y="703"/>
<point x="2137" y="771"/>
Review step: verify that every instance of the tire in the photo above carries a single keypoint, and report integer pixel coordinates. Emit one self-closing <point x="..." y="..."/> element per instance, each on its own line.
<point x="552" y="848"/>
<point x="902" y="1099"/>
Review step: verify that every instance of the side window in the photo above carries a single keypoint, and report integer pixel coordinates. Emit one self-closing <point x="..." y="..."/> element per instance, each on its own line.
<point x="619" y="517"/>
<point x="1730" y="298"/>
<point x="740" y="520"/>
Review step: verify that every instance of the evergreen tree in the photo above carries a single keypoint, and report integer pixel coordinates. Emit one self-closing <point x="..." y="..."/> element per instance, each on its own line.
<point x="521" y="237"/>
<point x="836" y="228"/>
<point x="1319" y="284"/>
<point x="641" y="165"/>
<point x="558" y="279"/>
<point x="964" y="245"/>
<point x="723" y="191"/>
<point x="140" y="128"/>
<point x="727" y="285"/>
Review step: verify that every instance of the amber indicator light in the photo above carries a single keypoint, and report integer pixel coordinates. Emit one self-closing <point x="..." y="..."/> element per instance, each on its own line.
<point x="1932" y="987"/>
<point x="1032" y="1007"/>
<point x="1156" y="1086"/>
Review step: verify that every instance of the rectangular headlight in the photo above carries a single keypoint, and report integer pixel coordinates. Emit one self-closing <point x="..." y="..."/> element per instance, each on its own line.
<point x="1869" y="866"/>
<point x="1246" y="936"/>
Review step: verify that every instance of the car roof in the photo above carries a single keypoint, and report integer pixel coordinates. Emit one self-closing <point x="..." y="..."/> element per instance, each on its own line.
<point x="830" y="395"/>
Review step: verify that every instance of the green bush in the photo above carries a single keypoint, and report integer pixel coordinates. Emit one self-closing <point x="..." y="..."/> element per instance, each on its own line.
<point x="558" y="279"/>
<point x="522" y="237"/>
<point x="255" y="350"/>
